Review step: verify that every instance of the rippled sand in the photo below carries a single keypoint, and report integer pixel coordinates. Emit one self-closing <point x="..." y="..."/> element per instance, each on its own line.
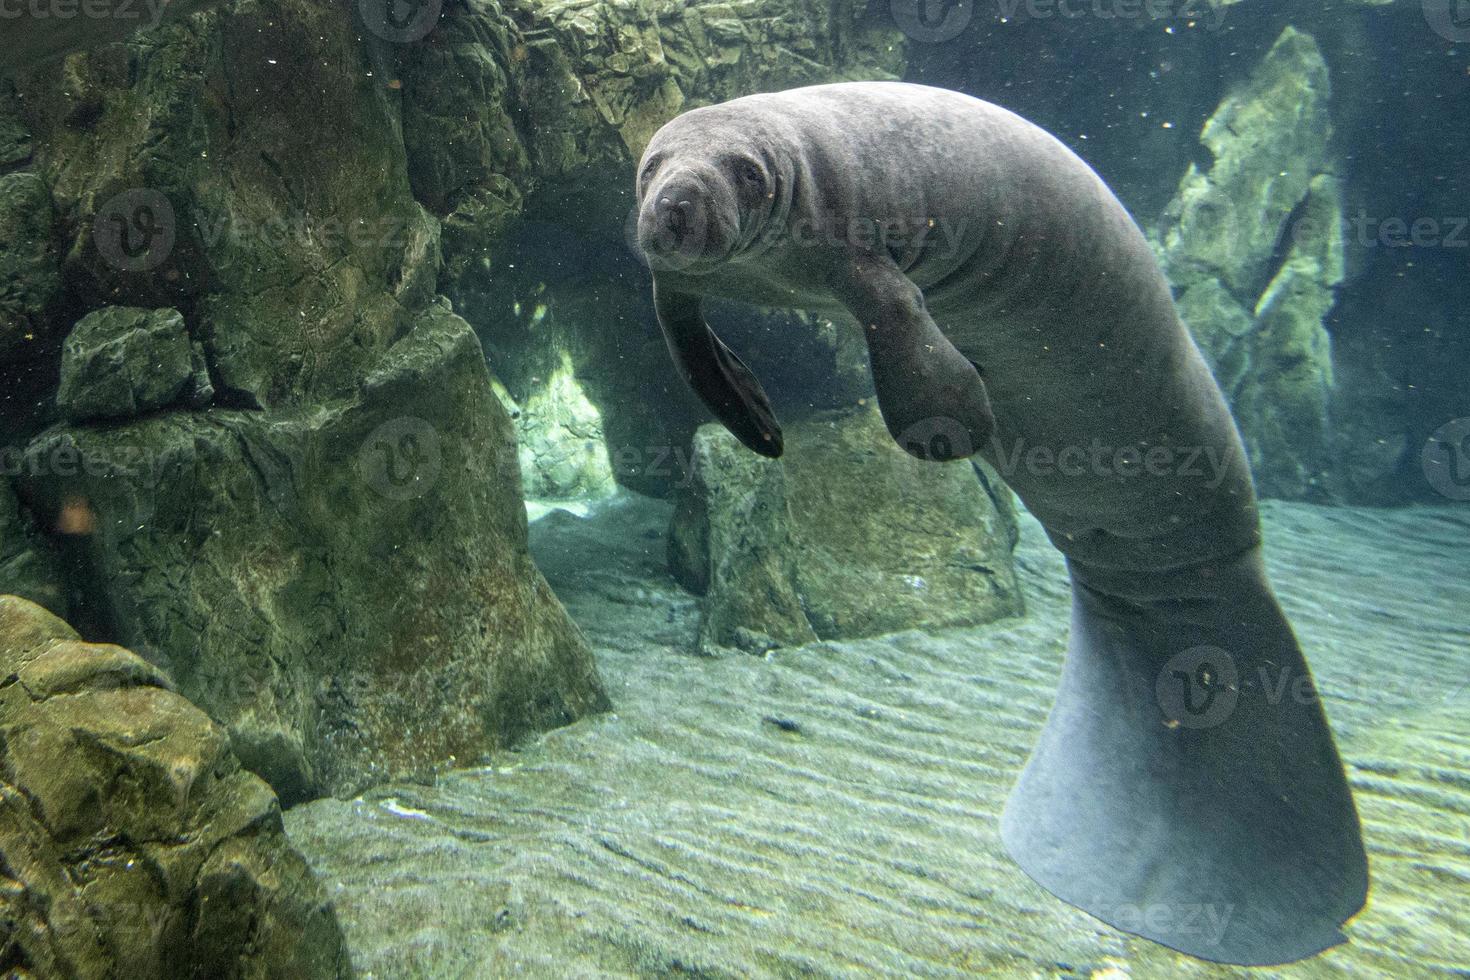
<point x="832" y="810"/>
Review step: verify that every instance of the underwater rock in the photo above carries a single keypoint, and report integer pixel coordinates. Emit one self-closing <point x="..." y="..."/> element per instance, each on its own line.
<point x="886" y="542"/>
<point x="27" y="566"/>
<point x="636" y="65"/>
<point x="244" y="166"/>
<point x="1254" y="248"/>
<point x="867" y="538"/>
<point x="133" y="844"/>
<point x="1288" y="395"/>
<point x="467" y="160"/>
<point x="563" y="449"/>
<point x="346" y="587"/>
<point x="30" y="271"/>
<point x="15" y="139"/>
<point x="120" y="362"/>
<point x="36" y="33"/>
<point x="732" y="534"/>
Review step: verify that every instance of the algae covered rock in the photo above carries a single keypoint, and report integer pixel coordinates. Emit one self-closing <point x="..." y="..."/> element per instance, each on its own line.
<point x="345" y="588"/>
<point x="886" y="542"/>
<point x="563" y="445"/>
<point x="30" y="272"/>
<point x="1267" y="141"/>
<point x="118" y="362"/>
<point x="132" y="842"/>
<point x="28" y="568"/>
<point x="525" y="107"/>
<point x="36" y="34"/>
<point x="1254" y="247"/>
<point x="867" y="539"/>
<point x="467" y="159"/>
<point x="732" y="539"/>
<point x="245" y="167"/>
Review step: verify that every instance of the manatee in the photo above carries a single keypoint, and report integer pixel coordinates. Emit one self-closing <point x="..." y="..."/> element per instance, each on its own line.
<point x="1185" y="786"/>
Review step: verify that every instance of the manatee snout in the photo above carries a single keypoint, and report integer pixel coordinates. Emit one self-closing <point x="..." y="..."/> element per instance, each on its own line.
<point x="674" y="220"/>
<point x="687" y="218"/>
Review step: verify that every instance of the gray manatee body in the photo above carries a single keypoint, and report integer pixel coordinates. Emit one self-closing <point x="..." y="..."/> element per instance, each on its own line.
<point x="1185" y="786"/>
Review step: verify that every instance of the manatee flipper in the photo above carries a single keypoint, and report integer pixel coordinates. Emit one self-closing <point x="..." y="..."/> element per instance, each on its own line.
<point x="720" y="379"/>
<point x="932" y="397"/>
<point x="1186" y="787"/>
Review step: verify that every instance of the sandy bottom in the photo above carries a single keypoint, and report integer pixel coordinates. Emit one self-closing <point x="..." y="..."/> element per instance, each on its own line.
<point x="832" y="810"/>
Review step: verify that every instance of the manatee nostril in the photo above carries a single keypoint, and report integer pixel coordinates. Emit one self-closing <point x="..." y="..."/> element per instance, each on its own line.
<point x="675" y="217"/>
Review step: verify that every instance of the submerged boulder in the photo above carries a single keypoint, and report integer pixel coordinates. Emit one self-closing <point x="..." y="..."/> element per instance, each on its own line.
<point x="27" y="566"/>
<point x="887" y="542"/>
<point x="30" y="268"/>
<point x="732" y="540"/>
<point x="866" y="539"/>
<point x="1253" y="245"/>
<point x="132" y="842"/>
<point x="346" y="588"/>
<point x="563" y="446"/>
<point x="120" y="361"/>
<point x="244" y="166"/>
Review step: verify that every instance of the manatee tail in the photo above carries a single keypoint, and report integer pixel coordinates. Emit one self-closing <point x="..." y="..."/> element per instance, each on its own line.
<point x="1186" y="787"/>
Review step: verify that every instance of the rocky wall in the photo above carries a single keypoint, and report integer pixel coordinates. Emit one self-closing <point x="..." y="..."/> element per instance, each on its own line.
<point x="263" y="456"/>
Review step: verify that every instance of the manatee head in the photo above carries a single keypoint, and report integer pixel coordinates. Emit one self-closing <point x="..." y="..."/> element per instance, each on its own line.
<point x="710" y="183"/>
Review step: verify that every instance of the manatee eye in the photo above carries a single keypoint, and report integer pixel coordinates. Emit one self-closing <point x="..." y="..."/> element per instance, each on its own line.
<point x="751" y="174"/>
